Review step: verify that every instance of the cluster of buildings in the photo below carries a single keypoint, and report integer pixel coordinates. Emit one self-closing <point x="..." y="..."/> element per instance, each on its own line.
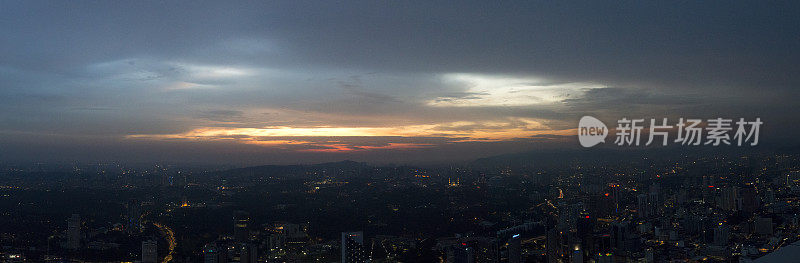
<point x="742" y="208"/>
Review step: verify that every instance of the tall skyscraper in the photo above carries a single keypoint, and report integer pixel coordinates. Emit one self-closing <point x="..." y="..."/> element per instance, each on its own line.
<point x="642" y="206"/>
<point x="553" y="246"/>
<point x="149" y="251"/>
<point x="133" y="214"/>
<point x="728" y="199"/>
<point x="241" y="222"/>
<point x="353" y="247"/>
<point x="514" y="249"/>
<point x="74" y="232"/>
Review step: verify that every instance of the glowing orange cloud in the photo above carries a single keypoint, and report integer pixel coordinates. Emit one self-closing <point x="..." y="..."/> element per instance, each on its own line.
<point x="349" y="148"/>
<point x="276" y="136"/>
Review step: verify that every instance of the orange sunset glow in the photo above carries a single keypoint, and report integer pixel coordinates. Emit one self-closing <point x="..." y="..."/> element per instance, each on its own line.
<point x="282" y="136"/>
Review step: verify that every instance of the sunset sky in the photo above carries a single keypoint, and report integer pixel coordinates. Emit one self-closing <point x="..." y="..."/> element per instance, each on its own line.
<point x="377" y="81"/>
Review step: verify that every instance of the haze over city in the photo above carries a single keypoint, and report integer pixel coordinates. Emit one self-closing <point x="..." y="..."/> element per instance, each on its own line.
<point x="399" y="131"/>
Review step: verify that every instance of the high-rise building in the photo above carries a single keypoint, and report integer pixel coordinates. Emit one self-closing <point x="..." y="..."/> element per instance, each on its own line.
<point x="642" y="206"/>
<point x="553" y="246"/>
<point x="291" y="233"/>
<point x="568" y="215"/>
<point x="748" y="200"/>
<point x="577" y="256"/>
<point x="248" y="253"/>
<point x="622" y="239"/>
<point x="149" y="251"/>
<point x="212" y="253"/>
<point x="647" y="204"/>
<point x="721" y="235"/>
<point x="133" y="214"/>
<point x="585" y="234"/>
<point x="74" y="232"/>
<point x="605" y="258"/>
<point x="728" y="198"/>
<point x="653" y="201"/>
<point x="514" y="249"/>
<point x="353" y="247"/>
<point x="241" y="222"/>
<point x="461" y="253"/>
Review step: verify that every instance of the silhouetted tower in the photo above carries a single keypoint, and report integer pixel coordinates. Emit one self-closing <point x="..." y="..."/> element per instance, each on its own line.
<point x="515" y="249"/>
<point x="241" y="222"/>
<point x="74" y="232"/>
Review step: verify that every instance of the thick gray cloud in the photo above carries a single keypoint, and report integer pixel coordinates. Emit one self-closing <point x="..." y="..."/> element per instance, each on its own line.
<point x="76" y="73"/>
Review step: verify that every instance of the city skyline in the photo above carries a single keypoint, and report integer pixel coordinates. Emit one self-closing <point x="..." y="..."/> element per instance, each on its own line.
<point x="399" y="131"/>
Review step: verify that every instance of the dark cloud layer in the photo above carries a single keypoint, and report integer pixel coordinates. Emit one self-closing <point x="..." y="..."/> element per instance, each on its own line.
<point x="82" y="72"/>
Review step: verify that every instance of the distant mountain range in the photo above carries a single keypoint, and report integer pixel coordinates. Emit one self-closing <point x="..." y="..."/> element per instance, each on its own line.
<point x="544" y="157"/>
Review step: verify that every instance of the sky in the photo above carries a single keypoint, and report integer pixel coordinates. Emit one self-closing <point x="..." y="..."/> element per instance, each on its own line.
<point x="378" y="81"/>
